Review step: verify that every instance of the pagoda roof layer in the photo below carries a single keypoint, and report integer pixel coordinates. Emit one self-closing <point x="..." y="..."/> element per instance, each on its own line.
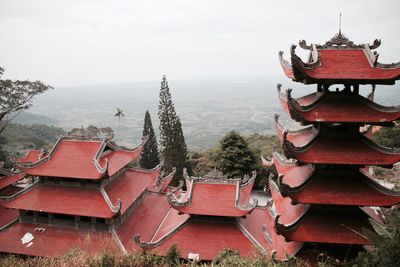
<point x="339" y="61"/>
<point x="326" y="225"/>
<point x="54" y="241"/>
<point x="335" y="188"/>
<point x="259" y="227"/>
<point x="214" y="196"/>
<point x="83" y="159"/>
<point x="346" y="149"/>
<point x="337" y="107"/>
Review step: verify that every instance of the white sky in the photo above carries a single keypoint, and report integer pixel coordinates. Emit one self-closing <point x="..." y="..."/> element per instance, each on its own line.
<point x="90" y="42"/>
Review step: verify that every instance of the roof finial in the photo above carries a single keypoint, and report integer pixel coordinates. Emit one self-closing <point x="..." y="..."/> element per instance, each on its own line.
<point x="164" y="82"/>
<point x="340" y="23"/>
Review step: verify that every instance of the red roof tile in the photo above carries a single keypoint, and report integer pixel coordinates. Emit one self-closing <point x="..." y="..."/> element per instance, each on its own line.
<point x="326" y="225"/>
<point x="31" y="156"/>
<point x="355" y="150"/>
<point x="9" y="180"/>
<point x="338" y="107"/>
<point x="260" y="226"/>
<point x="54" y="242"/>
<point x="84" y="159"/>
<point x="336" y="188"/>
<point x="82" y="201"/>
<point x="7" y="216"/>
<point x="215" y="197"/>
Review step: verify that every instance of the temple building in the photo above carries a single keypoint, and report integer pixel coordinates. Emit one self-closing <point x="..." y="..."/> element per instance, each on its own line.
<point x="84" y="192"/>
<point x="324" y="194"/>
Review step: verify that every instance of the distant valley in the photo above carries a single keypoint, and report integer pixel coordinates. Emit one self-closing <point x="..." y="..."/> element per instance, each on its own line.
<point x="208" y="109"/>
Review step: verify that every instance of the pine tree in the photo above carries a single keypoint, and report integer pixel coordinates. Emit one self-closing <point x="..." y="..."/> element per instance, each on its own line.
<point x="172" y="142"/>
<point x="234" y="157"/>
<point x="149" y="157"/>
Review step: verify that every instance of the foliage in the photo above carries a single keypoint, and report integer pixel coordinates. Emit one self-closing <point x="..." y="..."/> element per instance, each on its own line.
<point x="234" y="157"/>
<point x="387" y="245"/>
<point x="92" y="132"/>
<point x="388" y="136"/>
<point x="172" y="256"/>
<point x="16" y="96"/>
<point x="172" y="142"/>
<point x="149" y="157"/>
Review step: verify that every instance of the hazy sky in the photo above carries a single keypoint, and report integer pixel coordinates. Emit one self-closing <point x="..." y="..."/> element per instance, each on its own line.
<point x="90" y="42"/>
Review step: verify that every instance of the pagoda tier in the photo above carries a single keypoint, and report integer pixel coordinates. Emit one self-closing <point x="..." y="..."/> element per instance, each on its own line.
<point x="215" y="195"/>
<point x="106" y="200"/>
<point x="339" y="61"/>
<point x="336" y="107"/>
<point x="327" y="225"/>
<point x="53" y="241"/>
<point x="8" y="178"/>
<point x="83" y="159"/>
<point x="342" y="148"/>
<point x="304" y="184"/>
<point x="297" y="137"/>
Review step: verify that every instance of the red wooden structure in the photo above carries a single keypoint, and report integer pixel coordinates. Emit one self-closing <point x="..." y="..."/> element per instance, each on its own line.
<point x="324" y="192"/>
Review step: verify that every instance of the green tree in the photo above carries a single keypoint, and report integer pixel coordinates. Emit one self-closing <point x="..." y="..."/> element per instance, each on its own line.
<point x="149" y="157"/>
<point x="16" y="96"/>
<point x="172" y="142"/>
<point x="388" y="136"/>
<point x="234" y="157"/>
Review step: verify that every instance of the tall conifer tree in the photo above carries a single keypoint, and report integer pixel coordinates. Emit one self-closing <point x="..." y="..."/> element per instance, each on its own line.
<point x="172" y="142"/>
<point x="149" y="157"/>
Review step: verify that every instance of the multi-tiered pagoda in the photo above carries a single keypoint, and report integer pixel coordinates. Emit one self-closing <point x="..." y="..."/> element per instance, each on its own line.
<point x="324" y="192"/>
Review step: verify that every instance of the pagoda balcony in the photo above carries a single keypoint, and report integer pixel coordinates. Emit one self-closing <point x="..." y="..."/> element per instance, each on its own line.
<point x="336" y="107"/>
<point x="215" y="195"/>
<point x="339" y="61"/>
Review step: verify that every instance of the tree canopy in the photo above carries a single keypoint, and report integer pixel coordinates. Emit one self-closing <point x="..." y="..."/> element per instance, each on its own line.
<point x="149" y="157"/>
<point x="172" y="142"/>
<point x="16" y="96"/>
<point x="234" y="157"/>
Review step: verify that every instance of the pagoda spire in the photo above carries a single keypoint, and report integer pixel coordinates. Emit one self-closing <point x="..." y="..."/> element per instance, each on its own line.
<point x="340" y="23"/>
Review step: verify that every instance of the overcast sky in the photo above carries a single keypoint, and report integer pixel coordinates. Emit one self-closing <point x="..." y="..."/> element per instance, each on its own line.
<point x="91" y="42"/>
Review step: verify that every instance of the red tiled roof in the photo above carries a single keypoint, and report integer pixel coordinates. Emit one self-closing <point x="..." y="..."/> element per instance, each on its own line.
<point x="336" y="188"/>
<point x="129" y="185"/>
<point x="207" y="238"/>
<point x="7" y="216"/>
<point x="31" y="156"/>
<point x="298" y="137"/>
<point x="288" y="212"/>
<point x="260" y="226"/>
<point x="354" y="150"/>
<point x="348" y="64"/>
<point x="8" y="180"/>
<point x="215" y="197"/>
<point x="82" y="201"/>
<point x="54" y="242"/>
<point x="326" y="225"/>
<point x="78" y="159"/>
<point x="144" y="220"/>
<point x="338" y="107"/>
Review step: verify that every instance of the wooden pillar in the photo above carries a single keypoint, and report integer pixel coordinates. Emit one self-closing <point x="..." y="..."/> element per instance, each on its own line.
<point x="77" y="219"/>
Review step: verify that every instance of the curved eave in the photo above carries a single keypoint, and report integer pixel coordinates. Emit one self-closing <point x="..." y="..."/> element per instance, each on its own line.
<point x="338" y="189"/>
<point x="282" y="164"/>
<point x="9" y="180"/>
<point x="327" y="226"/>
<point x="298" y="137"/>
<point x="357" y="150"/>
<point x="286" y="66"/>
<point x="342" y="108"/>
